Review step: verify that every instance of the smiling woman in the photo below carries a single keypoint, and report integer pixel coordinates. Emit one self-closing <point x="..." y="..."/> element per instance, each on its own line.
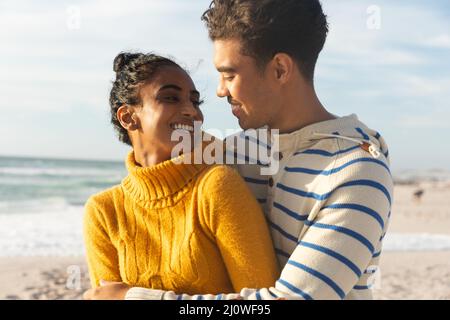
<point x="154" y="93"/>
<point x="171" y="225"/>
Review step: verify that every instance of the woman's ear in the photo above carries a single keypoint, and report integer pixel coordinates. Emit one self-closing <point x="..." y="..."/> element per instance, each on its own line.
<point x="127" y="118"/>
<point x="283" y="67"/>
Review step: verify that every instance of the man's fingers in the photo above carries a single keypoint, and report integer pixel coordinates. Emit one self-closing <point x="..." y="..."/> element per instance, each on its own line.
<point x="87" y="295"/>
<point x="106" y="283"/>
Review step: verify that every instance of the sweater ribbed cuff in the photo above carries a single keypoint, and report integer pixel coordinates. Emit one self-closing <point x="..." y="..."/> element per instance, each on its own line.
<point x="136" y="293"/>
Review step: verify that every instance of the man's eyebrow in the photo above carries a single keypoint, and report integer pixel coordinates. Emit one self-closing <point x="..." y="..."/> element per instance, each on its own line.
<point x="226" y="69"/>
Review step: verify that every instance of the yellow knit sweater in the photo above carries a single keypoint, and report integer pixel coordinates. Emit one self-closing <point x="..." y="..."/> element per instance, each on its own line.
<point x="190" y="228"/>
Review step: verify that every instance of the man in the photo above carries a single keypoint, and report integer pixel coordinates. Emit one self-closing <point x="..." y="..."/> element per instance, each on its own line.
<point x="329" y="203"/>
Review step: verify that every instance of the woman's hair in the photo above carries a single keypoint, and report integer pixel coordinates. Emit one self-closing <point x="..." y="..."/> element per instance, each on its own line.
<point x="267" y="27"/>
<point x="133" y="70"/>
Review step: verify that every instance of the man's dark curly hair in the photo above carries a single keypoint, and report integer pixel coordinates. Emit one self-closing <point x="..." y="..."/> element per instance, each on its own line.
<point x="267" y="27"/>
<point x="133" y="70"/>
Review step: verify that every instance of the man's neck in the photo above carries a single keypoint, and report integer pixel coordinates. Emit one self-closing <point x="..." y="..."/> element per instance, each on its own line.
<point x="301" y="108"/>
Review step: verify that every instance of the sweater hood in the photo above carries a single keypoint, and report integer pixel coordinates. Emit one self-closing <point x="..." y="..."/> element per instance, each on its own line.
<point x="348" y="128"/>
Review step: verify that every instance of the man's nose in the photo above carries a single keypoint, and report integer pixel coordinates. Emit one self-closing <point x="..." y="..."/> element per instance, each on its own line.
<point x="222" y="90"/>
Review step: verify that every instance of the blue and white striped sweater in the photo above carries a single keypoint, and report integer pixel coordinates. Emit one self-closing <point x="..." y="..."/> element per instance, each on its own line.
<point x="328" y="208"/>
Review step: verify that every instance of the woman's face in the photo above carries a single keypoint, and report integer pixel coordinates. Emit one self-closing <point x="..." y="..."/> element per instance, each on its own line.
<point x="168" y="101"/>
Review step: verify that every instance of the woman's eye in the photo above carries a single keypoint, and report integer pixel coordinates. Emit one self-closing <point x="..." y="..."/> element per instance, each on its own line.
<point x="171" y="99"/>
<point x="197" y="103"/>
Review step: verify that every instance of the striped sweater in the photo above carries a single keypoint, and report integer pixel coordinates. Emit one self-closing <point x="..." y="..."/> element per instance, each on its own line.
<point x="328" y="207"/>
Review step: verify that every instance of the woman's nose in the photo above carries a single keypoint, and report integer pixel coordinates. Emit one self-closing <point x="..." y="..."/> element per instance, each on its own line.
<point x="192" y="112"/>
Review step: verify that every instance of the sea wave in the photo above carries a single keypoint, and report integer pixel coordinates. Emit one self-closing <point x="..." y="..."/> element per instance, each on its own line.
<point x="416" y="242"/>
<point x="51" y="204"/>
<point x="58" y="232"/>
<point x="55" y="233"/>
<point x="61" y="172"/>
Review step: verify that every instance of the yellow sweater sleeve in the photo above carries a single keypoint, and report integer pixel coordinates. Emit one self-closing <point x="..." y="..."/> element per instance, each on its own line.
<point x="235" y="219"/>
<point x="102" y="258"/>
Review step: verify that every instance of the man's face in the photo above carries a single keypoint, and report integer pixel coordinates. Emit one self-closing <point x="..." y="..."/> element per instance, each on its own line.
<point x="250" y="91"/>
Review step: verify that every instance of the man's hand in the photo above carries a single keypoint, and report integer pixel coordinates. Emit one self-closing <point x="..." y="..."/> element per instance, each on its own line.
<point x="107" y="291"/>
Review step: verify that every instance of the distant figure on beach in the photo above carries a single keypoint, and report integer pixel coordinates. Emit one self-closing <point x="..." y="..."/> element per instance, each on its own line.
<point x="418" y="194"/>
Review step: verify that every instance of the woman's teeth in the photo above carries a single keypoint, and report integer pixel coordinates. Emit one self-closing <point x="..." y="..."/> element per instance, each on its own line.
<point x="183" y="127"/>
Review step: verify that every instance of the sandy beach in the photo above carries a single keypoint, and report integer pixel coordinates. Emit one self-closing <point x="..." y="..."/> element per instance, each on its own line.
<point x="43" y="278"/>
<point x="404" y="274"/>
<point x="417" y="275"/>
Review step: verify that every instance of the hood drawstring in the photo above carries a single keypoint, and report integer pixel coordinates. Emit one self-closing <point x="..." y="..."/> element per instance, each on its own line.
<point x="367" y="146"/>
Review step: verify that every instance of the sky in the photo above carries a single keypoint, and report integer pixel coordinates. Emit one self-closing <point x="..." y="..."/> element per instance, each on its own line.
<point x="386" y="61"/>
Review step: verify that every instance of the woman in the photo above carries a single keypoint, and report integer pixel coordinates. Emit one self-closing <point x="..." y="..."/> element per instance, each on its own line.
<point x="191" y="228"/>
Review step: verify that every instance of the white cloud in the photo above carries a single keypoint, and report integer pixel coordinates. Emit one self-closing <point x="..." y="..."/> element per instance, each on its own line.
<point x="46" y="66"/>
<point x="350" y="42"/>
<point x="423" y="86"/>
<point x="434" y="120"/>
<point x="440" y="41"/>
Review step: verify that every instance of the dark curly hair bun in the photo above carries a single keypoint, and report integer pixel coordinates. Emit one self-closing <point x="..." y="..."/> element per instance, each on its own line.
<point x="122" y="59"/>
<point x="132" y="71"/>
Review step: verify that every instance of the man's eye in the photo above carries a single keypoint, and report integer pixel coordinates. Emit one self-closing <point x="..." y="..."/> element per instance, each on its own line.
<point x="228" y="78"/>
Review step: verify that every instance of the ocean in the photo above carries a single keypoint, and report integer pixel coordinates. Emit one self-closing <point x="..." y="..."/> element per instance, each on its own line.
<point x="41" y="207"/>
<point x="42" y="200"/>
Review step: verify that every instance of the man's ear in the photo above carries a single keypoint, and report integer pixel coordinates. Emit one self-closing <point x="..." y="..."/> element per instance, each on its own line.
<point x="127" y="118"/>
<point x="283" y="67"/>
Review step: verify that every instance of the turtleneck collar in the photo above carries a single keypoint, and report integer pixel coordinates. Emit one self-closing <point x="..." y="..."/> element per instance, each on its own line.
<point x="161" y="185"/>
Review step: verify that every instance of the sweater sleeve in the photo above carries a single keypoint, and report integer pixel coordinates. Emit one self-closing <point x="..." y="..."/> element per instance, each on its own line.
<point x="339" y="243"/>
<point x="102" y="258"/>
